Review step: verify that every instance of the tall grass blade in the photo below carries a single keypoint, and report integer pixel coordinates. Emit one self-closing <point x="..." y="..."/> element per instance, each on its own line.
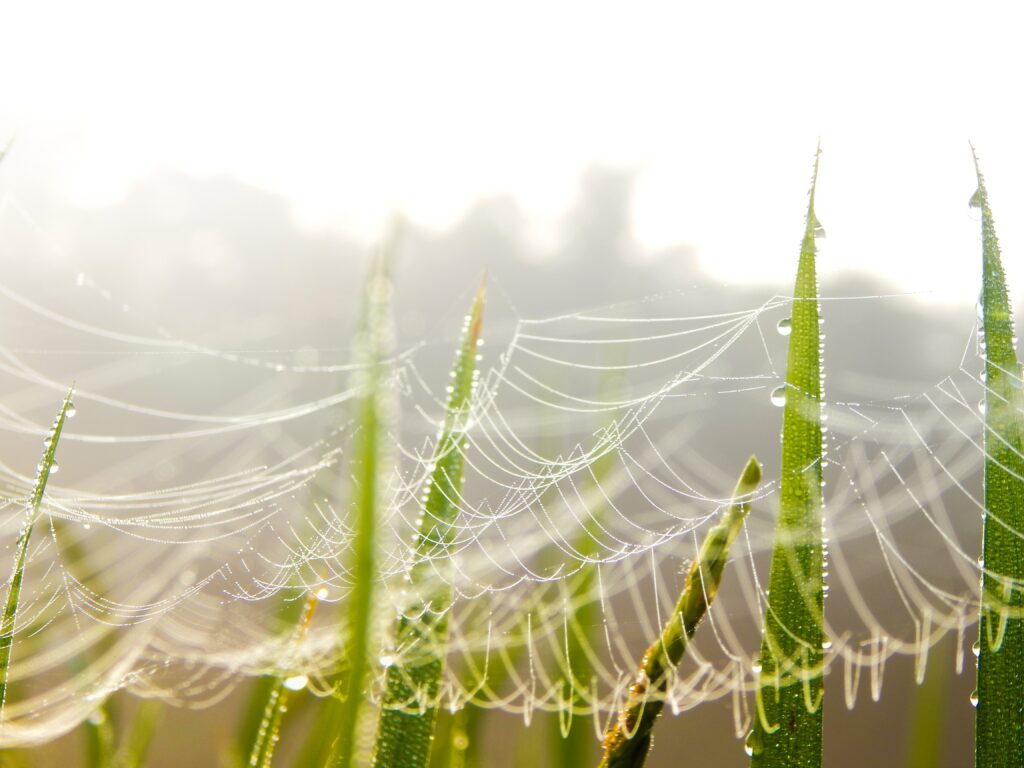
<point x="46" y="465"/>
<point x="267" y="734"/>
<point x="577" y="747"/>
<point x="413" y="680"/>
<point x="999" y="735"/>
<point x="928" y="712"/>
<point x="98" y="730"/>
<point x="369" y="468"/>
<point x="788" y="723"/>
<point x="133" y="750"/>
<point x="626" y="745"/>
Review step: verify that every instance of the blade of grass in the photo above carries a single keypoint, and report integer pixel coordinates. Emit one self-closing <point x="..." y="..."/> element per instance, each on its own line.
<point x="132" y="752"/>
<point x="626" y="745"/>
<point x="413" y="680"/>
<point x="99" y="738"/>
<point x="575" y="745"/>
<point x="928" y="711"/>
<point x="262" y="753"/>
<point x="46" y="466"/>
<point x="370" y="472"/>
<point x="333" y="740"/>
<point x="788" y="725"/>
<point x="999" y="733"/>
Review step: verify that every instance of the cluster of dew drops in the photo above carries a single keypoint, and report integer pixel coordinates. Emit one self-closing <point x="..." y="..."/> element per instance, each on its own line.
<point x="69" y="413"/>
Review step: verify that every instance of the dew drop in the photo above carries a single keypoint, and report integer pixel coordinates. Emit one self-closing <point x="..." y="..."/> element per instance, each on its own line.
<point x="71" y="411"/>
<point x="296" y="683"/>
<point x="785" y="326"/>
<point x="974" y="698"/>
<point x="826" y="645"/>
<point x="387" y="660"/>
<point x="54" y="468"/>
<point x="976" y="649"/>
<point x="753" y="744"/>
<point x="981" y="407"/>
<point x="779" y="396"/>
<point x="756" y="667"/>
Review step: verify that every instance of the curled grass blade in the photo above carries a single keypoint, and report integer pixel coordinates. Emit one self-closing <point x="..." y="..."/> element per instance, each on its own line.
<point x="10" y="614"/>
<point x="788" y="721"/>
<point x="410" y="700"/>
<point x="626" y="745"/>
<point x="999" y="735"/>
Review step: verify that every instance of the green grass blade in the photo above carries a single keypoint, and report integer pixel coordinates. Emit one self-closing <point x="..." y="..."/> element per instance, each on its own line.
<point x="262" y="753"/>
<point x="369" y="469"/>
<point x="409" y="708"/>
<point x="626" y="745"/>
<point x="7" y="624"/>
<point x="999" y="736"/>
<point x="99" y="738"/>
<point x="788" y="724"/>
<point x="928" y="712"/>
<point x="133" y="750"/>
<point x="578" y="746"/>
<point x="333" y="740"/>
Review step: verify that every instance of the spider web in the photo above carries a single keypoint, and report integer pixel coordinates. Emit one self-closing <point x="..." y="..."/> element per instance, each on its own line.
<point x="207" y="493"/>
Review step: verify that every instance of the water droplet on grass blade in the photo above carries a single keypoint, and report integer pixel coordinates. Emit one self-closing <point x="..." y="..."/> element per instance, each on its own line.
<point x="785" y="326"/>
<point x="779" y="396"/>
<point x="974" y="698"/>
<point x="296" y="683"/>
<point x="753" y="744"/>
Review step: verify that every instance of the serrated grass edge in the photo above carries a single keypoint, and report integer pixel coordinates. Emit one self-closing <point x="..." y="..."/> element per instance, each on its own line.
<point x="999" y="721"/>
<point x="788" y="721"/>
<point x="406" y="724"/>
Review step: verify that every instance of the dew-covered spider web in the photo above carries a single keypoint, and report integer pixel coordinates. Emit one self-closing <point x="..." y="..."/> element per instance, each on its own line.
<point x="205" y="490"/>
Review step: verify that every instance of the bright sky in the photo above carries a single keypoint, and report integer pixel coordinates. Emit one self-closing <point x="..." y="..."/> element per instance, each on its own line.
<point x="354" y="110"/>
